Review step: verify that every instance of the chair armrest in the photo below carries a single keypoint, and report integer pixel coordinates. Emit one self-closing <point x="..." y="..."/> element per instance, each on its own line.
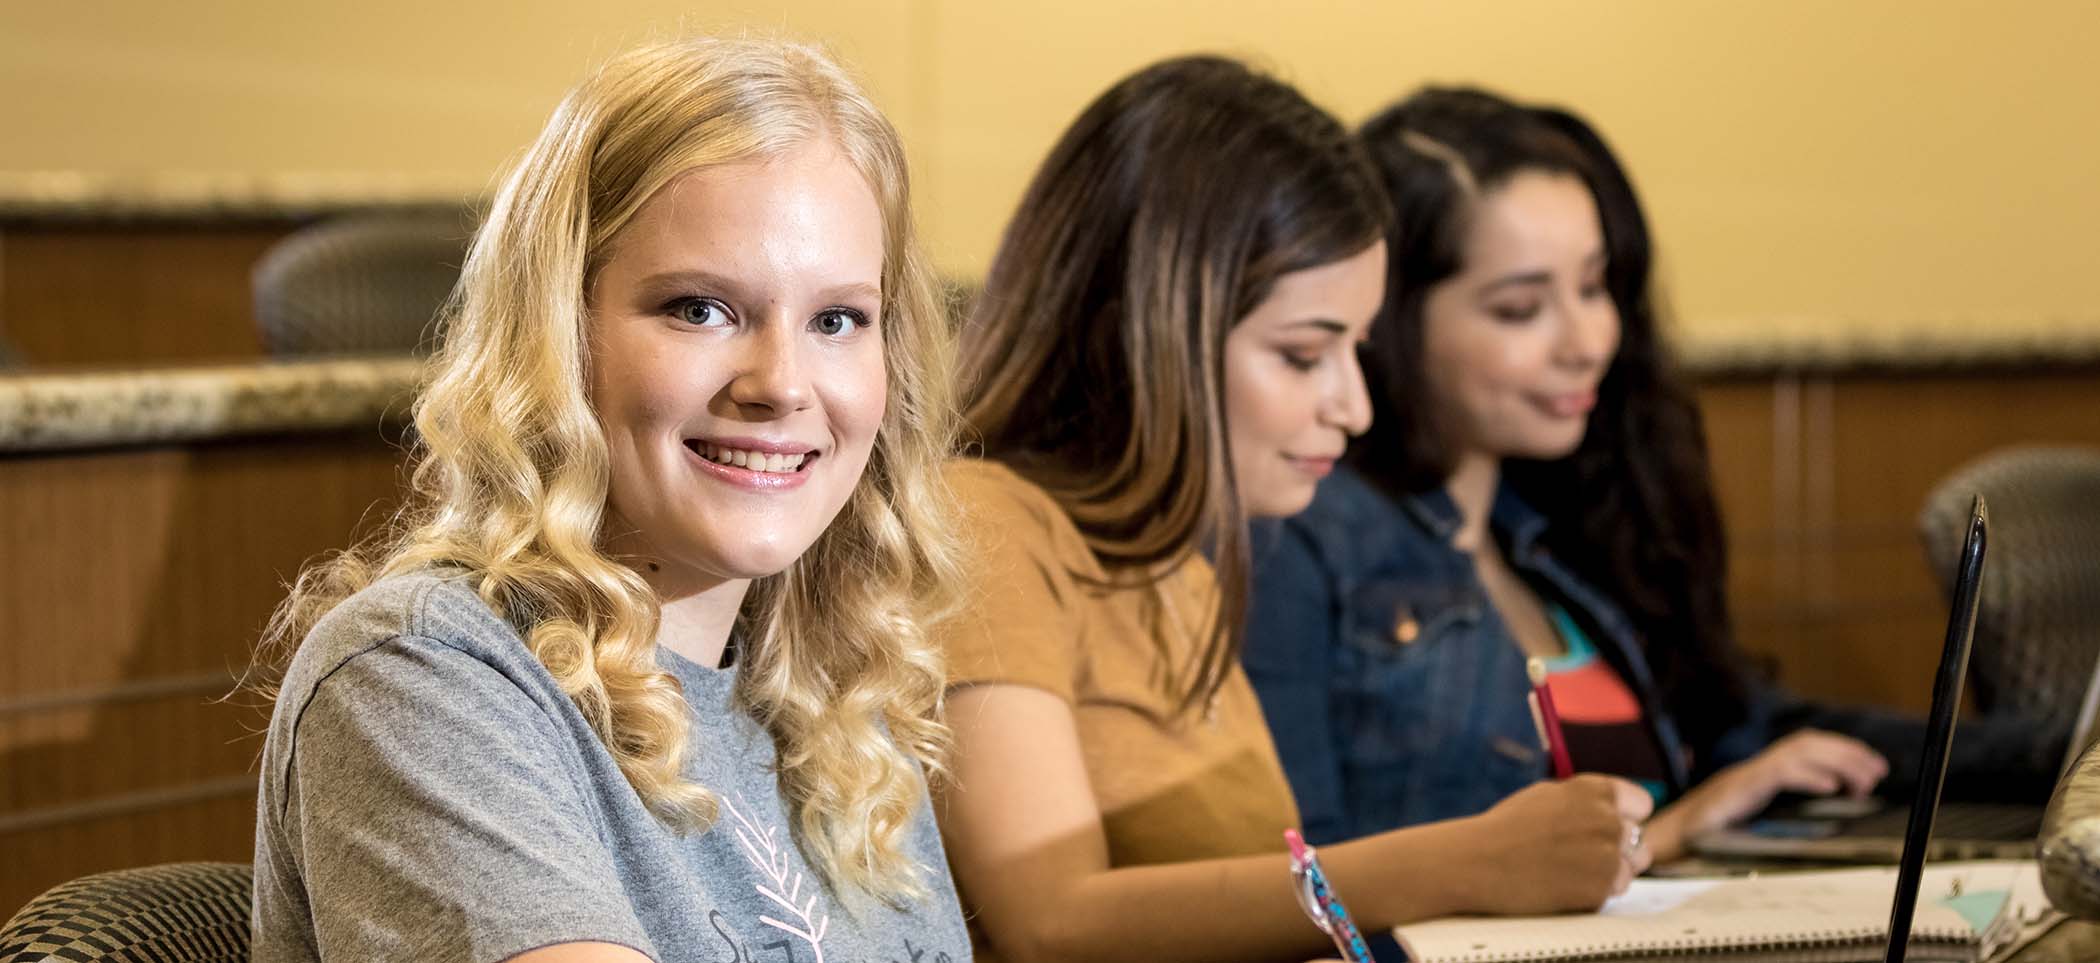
<point x="2069" y="847"/>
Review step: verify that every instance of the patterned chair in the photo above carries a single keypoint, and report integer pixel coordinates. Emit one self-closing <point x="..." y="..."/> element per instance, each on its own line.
<point x="359" y="284"/>
<point x="174" y="913"/>
<point x="2038" y="620"/>
<point x="2069" y="847"/>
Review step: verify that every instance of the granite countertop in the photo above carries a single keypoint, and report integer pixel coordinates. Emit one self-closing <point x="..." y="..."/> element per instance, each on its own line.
<point x="57" y="410"/>
<point x="74" y="196"/>
<point x="1820" y="346"/>
<point x="45" y="411"/>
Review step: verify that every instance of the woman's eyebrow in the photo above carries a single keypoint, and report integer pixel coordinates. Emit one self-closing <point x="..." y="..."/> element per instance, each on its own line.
<point x="705" y="280"/>
<point x="1325" y="324"/>
<point x="850" y="291"/>
<point x="1514" y="280"/>
<point x="735" y="291"/>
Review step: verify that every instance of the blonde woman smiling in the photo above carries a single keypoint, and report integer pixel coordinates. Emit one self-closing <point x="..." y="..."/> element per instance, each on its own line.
<point x="642" y="673"/>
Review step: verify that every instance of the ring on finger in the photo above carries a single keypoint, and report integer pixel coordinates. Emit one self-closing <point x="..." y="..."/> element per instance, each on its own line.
<point x="1633" y="839"/>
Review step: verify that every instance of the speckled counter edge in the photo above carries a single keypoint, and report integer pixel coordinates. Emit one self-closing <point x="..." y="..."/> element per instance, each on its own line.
<point x="50" y="411"/>
<point x="45" y="412"/>
<point x="71" y="196"/>
<point x="1836" y="348"/>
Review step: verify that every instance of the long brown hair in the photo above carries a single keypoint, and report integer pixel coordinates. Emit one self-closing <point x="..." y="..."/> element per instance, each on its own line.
<point x="1632" y="508"/>
<point x="1094" y="364"/>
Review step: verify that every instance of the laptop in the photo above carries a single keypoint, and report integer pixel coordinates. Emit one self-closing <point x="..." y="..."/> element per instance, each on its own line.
<point x="1939" y="736"/>
<point x="1939" y="733"/>
<point x="1846" y="830"/>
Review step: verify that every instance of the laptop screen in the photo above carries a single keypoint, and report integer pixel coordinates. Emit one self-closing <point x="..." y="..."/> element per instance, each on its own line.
<point x="1939" y="729"/>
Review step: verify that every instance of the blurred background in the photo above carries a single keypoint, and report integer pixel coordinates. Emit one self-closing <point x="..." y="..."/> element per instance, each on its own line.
<point x="1875" y="222"/>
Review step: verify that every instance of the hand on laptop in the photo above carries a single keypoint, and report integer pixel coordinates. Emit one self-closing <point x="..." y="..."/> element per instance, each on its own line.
<point x="1810" y="761"/>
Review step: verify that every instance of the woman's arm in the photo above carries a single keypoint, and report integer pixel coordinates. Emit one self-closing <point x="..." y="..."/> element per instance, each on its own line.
<point x="2000" y="756"/>
<point x="1808" y="761"/>
<point x="1026" y="841"/>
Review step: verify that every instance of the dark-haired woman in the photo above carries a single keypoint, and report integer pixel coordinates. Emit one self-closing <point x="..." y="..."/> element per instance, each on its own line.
<point x="1166" y="346"/>
<point x="1535" y="486"/>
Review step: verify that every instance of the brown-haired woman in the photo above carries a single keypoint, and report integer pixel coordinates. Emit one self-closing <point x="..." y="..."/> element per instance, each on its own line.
<point x="1165" y="347"/>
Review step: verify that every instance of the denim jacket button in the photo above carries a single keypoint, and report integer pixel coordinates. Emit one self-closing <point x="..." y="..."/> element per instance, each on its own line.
<point x="1406" y="630"/>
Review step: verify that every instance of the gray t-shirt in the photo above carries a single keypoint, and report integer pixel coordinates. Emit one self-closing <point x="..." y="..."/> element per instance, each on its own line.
<point x="429" y="793"/>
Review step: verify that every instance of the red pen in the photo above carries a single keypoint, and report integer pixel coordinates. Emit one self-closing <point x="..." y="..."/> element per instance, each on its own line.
<point x="1548" y="720"/>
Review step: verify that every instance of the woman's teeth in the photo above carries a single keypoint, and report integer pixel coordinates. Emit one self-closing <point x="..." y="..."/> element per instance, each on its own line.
<point x="751" y="460"/>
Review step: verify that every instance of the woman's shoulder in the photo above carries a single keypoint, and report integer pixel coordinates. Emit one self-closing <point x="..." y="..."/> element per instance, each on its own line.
<point x="413" y="660"/>
<point x="432" y="607"/>
<point x="983" y="484"/>
<point x="436" y="603"/>
<point x="997" y="502"/>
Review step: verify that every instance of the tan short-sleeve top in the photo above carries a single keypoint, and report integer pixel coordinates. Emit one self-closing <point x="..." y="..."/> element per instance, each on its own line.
<point x="1171" y="787"/>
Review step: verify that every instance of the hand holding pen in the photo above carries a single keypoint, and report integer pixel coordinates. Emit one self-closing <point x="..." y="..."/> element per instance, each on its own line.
<point x="1563" y="844"/>
<point x="1632" y="803"/>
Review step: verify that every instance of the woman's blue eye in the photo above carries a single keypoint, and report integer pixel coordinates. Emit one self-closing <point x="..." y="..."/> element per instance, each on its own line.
<point x="835" y="323"/>
<point x="700" y="312"/>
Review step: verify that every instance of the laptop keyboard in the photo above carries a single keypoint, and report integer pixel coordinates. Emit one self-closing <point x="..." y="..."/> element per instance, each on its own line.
<point x="1956" y="821"/>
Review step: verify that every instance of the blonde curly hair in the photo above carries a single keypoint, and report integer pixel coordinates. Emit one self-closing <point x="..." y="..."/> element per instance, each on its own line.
<point x="511" y="476"/>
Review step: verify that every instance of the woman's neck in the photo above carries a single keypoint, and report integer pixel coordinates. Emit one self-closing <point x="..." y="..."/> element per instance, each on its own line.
<point x="696" y="620"/>
<point x="1472" y="488"/>
<point x="696" y="610"/>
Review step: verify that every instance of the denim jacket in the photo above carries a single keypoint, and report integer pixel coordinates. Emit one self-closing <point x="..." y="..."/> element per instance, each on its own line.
<point x="1394" y="689"/>
<point x="1396" y="694"/>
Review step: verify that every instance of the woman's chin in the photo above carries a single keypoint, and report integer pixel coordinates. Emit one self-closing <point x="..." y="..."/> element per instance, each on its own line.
<point x="1547" y="445"/>
<point x="726" y="560"/>
<point x="1279" y="501"/>
<point x="756" y="565"/>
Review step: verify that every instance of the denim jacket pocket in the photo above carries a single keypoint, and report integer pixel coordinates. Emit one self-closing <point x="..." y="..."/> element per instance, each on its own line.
<point x="1406" y="640"/>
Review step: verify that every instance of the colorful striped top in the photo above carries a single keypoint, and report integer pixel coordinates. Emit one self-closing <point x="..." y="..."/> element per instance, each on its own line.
<point x="1599" y="714"/>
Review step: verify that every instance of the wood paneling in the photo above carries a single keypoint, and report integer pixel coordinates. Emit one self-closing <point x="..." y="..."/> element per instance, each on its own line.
<point x="1821" y="478"/>
<point x="124" y="571"/>
<point x="220" y="828"/>
<point x="130" y="294"/>
<point x="1739" y="433"/>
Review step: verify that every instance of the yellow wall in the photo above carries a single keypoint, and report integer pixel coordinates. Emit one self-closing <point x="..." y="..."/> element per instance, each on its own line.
<point x="1885" y="168"/>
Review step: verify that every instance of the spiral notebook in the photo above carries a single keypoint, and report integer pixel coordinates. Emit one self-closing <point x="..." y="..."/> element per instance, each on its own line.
<point x="1966" y="912"/>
